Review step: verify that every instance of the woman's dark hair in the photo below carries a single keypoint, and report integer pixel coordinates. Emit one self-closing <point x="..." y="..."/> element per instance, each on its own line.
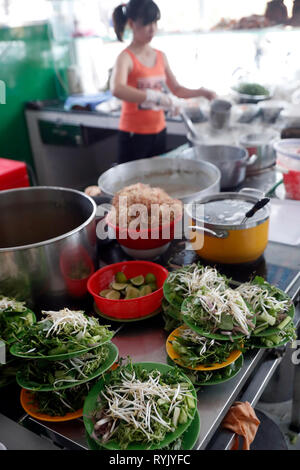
<point x="144" y="10"/>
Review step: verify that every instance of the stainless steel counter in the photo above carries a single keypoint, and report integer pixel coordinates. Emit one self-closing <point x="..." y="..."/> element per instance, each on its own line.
<point x="145" y="341"/>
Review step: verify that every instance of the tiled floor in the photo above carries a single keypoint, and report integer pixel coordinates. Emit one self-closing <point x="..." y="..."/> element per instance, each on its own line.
<point x="280" y="413"/>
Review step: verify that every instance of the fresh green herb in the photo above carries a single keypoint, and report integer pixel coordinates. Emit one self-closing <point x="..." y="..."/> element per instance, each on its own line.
<point x="38" y="373"/>
<point x="170" y="323"/>
<point x="195" y="350"/>
<point x="61" y="402"/>
<point x="253" y="89"/>
<point x="185" y="281"/>
<point x="15" y="319"/>
<point x="279" y="338"/>
<point x="8" y="373"/>
<point x="219" y="311"/>
<point x="199" y="378"/>
<point x="171" y="311"/>
<point x="136" y="406"/>
<point x="63" y="332"/>
<point x="271" y="305"/>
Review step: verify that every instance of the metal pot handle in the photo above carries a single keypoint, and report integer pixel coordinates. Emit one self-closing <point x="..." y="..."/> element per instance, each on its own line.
<point x="220" y="234"/>
<point x="252" y="190"/>
<point x="251" y="160"/>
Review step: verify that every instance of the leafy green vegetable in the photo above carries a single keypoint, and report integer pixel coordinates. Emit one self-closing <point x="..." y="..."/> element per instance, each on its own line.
<point x="271" y="305"/>
<point x="279" y="338"/>
<point x="8" y="372"/>
<point x="170" y="322"/>
<point x="62" y="332"/>
<point x="218" y="311"/>
<point x="171" y="311"/>
<point x="37" y="373"/>
<point x="195" y="350"/>
<point x="211" y="377"/>
<point x="146" y="406"/>
<point x="61" y="402"/>
<point x="15" y="319"/>
<point x="253" y="89"/>
<point x="187" y="280"/>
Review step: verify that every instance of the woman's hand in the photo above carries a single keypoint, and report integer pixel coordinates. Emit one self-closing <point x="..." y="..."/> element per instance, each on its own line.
<point x="159" y="100"/>
<point x="208" y="94"/>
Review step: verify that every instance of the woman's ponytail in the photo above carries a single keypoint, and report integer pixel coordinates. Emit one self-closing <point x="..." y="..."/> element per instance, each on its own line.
<point x="119" y="20"/>
<point x="145" y="10"/>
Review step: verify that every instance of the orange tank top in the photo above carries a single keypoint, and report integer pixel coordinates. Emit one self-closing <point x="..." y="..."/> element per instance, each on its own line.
<point x="133" y="118"/>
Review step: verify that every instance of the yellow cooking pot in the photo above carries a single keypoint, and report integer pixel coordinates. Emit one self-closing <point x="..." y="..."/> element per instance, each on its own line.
<point x="225" y="237"/>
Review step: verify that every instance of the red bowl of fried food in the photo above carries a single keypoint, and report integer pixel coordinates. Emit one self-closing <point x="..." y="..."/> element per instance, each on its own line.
<point x="145" y="218"/>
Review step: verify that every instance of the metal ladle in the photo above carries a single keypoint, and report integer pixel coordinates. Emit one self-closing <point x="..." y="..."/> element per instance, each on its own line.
<point x="186" y="119"/>
<point x="257" y="206"/>
<point x="188" y="122"/>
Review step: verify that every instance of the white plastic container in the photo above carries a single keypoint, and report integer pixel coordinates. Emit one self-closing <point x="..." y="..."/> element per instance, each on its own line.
<point x="288" y="159"/>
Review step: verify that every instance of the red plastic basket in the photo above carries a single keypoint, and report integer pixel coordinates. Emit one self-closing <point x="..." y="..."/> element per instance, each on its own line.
<point x="131" y="308"/>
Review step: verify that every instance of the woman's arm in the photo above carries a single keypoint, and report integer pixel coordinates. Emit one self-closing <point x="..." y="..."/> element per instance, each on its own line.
<point x="118" y="82"/>
<point x="181" y="91"/>
<point x="125" y="92"/>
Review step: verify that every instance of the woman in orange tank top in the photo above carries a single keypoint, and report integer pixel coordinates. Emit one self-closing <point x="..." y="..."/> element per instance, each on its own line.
<point x="140" y="77"/>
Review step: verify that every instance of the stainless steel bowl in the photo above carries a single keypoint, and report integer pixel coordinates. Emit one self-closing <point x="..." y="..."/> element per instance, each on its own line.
<point x="231" y="160"/>
<point x="180" y="178"/>
<point x="262" y="145"/>
<point x="48" y="245"/>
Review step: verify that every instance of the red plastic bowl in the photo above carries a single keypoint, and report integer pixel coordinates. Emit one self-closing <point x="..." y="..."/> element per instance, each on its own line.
<point x="148" y="239"/>
<point x="131" y="308"/>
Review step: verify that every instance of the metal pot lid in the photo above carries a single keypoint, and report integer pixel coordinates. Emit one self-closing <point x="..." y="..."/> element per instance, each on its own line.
<point x="226" y="211"/>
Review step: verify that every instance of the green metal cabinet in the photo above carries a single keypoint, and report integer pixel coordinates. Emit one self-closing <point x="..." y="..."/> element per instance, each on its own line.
<point x="29" y="61"/>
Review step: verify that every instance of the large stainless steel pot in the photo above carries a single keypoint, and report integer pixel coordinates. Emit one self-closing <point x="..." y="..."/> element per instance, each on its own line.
<point x="231" y="160"/>
<point x="180" y="178"/>
<point x="48" y="245"/>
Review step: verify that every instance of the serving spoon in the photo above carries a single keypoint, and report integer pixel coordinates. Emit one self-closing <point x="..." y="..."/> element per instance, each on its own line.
<point x="257" y="206"/>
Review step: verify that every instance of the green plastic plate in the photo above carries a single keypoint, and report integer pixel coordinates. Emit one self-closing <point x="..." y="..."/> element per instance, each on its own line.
<point x="238" y="363"/>
<point x="92" y="400"/>
<point x="111" y="359"/>
<point x="15" y="351"/>
<point x="189" y="437"/>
